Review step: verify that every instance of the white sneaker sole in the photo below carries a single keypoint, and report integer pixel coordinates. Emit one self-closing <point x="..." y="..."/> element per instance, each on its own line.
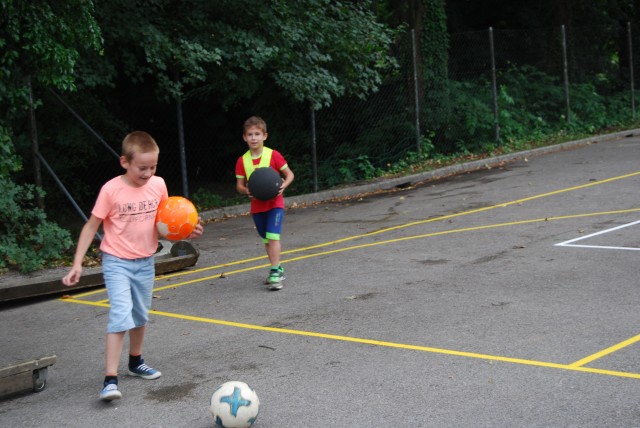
<point x="156" y="375"/>
<point x="111" y="395"/>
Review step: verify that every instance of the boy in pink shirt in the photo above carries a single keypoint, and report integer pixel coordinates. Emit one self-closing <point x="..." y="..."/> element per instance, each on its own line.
<point x="126" y="206"/>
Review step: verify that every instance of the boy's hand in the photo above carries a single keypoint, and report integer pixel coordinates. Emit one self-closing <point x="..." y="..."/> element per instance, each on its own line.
<point x="197" y="231"/>
<point x="73" y="277"/>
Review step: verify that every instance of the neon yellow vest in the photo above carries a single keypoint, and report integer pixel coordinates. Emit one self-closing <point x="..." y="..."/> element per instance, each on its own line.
<point x="249" y="167"/>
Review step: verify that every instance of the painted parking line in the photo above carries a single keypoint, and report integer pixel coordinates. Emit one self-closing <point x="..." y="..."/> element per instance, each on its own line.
<point x="375" y="244"/>
<point x="605" y="352"/>
<point x="385" y="230"/>
<point x="372" y="342"/>
<point x="576" y="366"/>
<point x="570" y="243"/>
<point x="392" y="228"/>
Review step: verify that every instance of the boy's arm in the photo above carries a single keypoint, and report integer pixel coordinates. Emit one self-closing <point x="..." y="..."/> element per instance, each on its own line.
<point x="288" y="178"/>
<point x="87" y="234"/>
<point x="241" y="186"/>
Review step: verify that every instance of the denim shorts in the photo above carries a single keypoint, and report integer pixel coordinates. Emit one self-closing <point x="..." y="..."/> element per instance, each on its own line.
<point x="129" y="286"/>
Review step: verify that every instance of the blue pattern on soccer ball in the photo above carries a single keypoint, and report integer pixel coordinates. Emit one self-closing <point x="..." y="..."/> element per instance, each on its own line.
<point x="235" y="401"/>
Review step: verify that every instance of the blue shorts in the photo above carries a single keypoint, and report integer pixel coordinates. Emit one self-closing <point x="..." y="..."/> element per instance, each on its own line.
<point x="129" y="286"/>
<point x="269" y="224"/>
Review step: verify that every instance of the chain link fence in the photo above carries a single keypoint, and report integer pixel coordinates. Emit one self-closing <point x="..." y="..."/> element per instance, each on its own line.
<point x="502" y="86"/>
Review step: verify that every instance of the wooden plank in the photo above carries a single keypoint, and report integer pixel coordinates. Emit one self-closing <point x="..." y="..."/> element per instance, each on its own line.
<point x="16" y="383"/>
<point x="93" y="278"/>
<point x="27" y="366"/>
<point x="173" y="264"/>
<point x="20" y="376"/>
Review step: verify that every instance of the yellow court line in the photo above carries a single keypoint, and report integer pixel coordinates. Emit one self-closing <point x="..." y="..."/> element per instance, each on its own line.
<point x="415" y="223"/>
<point x="384" y="230"/>
<point x="432" y="234"/>
<point x="576" y="364"/>
<point x="465" y="229"/>
<point x="193" y="281"/>
<point x="474" y="211"/>
<point x="501" y="205"/>
<point x="605" y="352"/>
<point x="374" y="244"/>
<point x="223" y="265"/>
<point x="383" y="343"/>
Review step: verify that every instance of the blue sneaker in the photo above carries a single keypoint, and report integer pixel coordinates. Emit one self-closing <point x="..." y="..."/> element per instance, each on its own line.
<point x="144" y="371"/>
<point x="110" y="392"/>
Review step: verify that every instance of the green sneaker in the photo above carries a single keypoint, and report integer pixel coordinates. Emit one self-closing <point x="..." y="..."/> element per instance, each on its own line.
<point x="275" y="278"/>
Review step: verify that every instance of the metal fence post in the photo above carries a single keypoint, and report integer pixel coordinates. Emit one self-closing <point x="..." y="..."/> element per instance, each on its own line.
<point x="633" y="95"/>
<point x="34" y="145"/>
<point x="494" y="86"/>
<point x="181" y="145"/>
<point x="415" y="88"/>
<point x="566" y="74"/>
<point x="314" y="157"/>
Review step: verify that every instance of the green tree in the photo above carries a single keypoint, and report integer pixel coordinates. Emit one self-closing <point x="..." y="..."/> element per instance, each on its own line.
<point x="221" y="55"/>
<point x="40" y="43"/>
<point x="434" y="48"/>
<point x="314" y="50"/>
<point x="325" y="49"/>
<point x="167" y="42"/>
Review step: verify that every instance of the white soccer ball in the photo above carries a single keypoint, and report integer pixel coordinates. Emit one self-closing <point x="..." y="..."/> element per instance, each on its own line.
<point x="234" y="405"/>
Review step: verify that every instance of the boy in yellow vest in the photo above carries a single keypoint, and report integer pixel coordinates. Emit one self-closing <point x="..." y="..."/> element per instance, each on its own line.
<point x="267" y="215"/>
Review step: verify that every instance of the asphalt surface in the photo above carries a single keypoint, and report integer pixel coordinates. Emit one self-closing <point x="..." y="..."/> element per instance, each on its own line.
<point x="502" y="293"/>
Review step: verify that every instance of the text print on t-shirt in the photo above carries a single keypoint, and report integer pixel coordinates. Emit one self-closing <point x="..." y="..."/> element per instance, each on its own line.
<point x="133" y="212"/>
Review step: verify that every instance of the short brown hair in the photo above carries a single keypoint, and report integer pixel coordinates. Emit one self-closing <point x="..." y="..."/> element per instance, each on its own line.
<point x="138" y="142"/>
<point x="256" y="121"/>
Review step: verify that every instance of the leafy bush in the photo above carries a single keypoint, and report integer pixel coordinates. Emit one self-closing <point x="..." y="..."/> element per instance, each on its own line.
<point x="470" y="122"/>
<point x="204" y="199"/>
<point x="618" y="108"/>
<point x="531" y="105"/>
<point x="360" y="168"/>
<point x="27" y="240"/>
<point x="346" y="171"/>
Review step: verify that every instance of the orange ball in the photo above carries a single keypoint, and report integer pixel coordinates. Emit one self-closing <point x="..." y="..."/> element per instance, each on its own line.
<point x="176" y="218"/>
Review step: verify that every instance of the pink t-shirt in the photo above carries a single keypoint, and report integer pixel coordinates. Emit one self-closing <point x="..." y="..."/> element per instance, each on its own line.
<point x="129" y="217"/>
<point x="278" y="163"/>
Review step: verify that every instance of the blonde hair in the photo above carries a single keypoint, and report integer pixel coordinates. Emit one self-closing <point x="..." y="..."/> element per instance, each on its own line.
<point x="256" y="121"/>
<point x="138" y="142"/>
